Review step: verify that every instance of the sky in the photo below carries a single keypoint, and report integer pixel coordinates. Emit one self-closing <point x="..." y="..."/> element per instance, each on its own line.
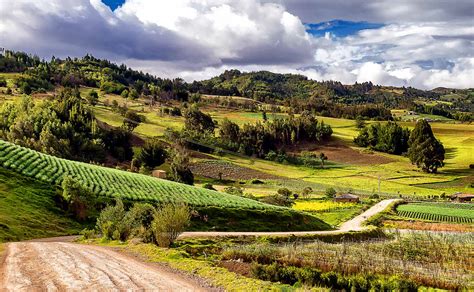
<point x="420" y="43"/>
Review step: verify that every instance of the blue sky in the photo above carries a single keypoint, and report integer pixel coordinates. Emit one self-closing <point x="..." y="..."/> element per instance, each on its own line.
<point x="425" y="44"/>
<point x="337" y="27"/>
<point x="113" y="4"/>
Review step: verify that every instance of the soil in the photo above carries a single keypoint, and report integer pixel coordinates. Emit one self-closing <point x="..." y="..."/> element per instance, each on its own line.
<point x="229" y="171"/>
<point x="237" y="267"/>
<point x="337" y="151"/>
<point x="61" y="266"/>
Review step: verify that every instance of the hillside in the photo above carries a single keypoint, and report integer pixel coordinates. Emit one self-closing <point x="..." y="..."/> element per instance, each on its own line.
<point x="129" y="186"/>
<point x="28" y="210"/>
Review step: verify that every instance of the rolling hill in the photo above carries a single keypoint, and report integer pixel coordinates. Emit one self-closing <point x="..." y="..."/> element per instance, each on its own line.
<point x="113" y="183"/>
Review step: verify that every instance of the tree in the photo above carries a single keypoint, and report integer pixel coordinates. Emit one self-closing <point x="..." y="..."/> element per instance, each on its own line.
<point x="360" y="123"/>
<point x="424" y="149"/>
<point x="306" y="192"/>
<point x="198" y="122"/>
<point x="92" y="97"/>
<point x="131" y="120"/>
<point x="152" y="154"/>
<point x="179" y="167"/>
<point x="80" y="200"/>
<point x="330" y="193"/>
<point x="323" y="158"/>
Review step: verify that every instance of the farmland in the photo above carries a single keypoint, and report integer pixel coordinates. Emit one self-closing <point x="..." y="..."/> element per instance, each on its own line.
<point x="113" y="183"/>
<point x="440" y="212"/>
<point x="110" y="182"/>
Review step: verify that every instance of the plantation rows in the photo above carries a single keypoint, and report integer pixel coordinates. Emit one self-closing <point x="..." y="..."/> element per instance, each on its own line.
<point x="434" y="217"/>
<point x="445" y="212"/>
<point x="114" y="183"/>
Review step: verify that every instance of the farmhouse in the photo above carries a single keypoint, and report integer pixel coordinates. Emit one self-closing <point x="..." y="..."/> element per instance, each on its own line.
<point x="159" y="173"/>
<point x="460" y="197"/>
<point x="347" y="198"/>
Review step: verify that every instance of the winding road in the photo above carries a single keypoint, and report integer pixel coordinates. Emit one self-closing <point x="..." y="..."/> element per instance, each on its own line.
<point x="55" y="265"/>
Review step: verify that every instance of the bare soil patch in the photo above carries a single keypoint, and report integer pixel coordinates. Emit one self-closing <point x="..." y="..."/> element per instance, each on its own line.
<point x="214" y="168"/>
<point x="337" y="151"/>
<point x="237" y="267"/>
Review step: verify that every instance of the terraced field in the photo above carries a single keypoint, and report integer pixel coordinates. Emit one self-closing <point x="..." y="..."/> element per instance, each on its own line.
<point x="115" y="183"/>
<point x="440" y="212"/>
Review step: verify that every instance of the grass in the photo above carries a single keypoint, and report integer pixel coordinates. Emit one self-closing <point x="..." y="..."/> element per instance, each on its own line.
<point x="28" y="210"/>
<point x="225" y="211"/>
<point x="396" y="177"/>
<point x="215" y="275"/>
<point x="413" y="259"/>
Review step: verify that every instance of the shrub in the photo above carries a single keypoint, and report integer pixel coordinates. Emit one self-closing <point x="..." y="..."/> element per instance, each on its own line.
<point x="111" y="222"/>
<point x="236" y="191"/>
<point x="152" y="154"/>
<point x="140" y="218"/>
<point x="169" y="222"/>
<point x="79" y="200"/>
<point x="330" y="192"/>
<point x="374" y="197"/>
<point x="257" y="182"/>
<point x="208" y="186"/>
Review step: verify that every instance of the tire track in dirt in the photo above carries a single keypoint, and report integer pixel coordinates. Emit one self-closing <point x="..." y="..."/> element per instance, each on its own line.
<point x="59" y="266"/>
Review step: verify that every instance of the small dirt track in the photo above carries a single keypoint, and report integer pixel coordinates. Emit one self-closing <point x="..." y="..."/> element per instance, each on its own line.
<point x="56" y="265"/>
<point x="355" y="224"/>
<point x="60" y="266"/>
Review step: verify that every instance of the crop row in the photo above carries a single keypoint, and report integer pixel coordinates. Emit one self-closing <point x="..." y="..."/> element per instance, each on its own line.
<point x="112" y="182"/>
<point x="434" y="217"/>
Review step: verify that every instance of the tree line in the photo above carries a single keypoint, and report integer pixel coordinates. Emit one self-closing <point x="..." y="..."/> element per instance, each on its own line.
<point x="419" y="145"/>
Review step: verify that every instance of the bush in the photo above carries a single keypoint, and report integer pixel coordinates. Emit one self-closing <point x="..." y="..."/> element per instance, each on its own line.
<point x="79" y="200"/>
<point x="111" y="222"/>
<point x="140" y="218"/>
<point x="330" y="192"/>
<point x="115" y="223"/>
<point x="236" y="191"/>
<point x="374" y="197"/>
<point x="169" y="222"/>
<point x="152" y="154"/>
<point x="257" y="182"/>
<point x="208" y="186"/>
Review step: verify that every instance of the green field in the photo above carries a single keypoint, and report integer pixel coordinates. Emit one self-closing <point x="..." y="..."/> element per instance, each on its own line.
<point x="225" y="211"/>
<point x="440" y="212"/>
<point x="115" y="183"/>
<point x="28" y="210"/>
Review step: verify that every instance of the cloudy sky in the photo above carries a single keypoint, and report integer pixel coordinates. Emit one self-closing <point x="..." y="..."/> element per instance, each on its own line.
<point x="421" y="43"/>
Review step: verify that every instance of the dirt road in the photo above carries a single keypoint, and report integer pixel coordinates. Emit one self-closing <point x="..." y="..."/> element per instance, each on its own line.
<point x="61" y="266"/>
<point x="58" y="265"/>
<point x="355" y="224"/>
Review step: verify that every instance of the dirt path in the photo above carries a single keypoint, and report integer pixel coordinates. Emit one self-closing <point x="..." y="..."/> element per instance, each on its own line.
<point x="61" y="266"/>
<point x="355" y="224"/>
<point x="58" y="265"/>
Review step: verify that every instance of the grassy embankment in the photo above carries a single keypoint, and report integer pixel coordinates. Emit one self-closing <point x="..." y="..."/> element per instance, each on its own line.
<point x="216" y="210"/>
<point x="28" y="210"/>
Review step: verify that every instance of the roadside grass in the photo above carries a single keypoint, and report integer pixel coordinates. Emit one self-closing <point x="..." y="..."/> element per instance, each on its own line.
<point x="28" y="210"/>
<point x="206" y="269"/>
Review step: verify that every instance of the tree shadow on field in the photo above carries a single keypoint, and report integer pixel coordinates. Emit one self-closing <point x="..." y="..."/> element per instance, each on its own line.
<point x="450" y="152"/>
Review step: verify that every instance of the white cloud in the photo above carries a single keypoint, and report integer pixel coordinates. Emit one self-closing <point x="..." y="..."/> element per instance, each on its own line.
<point x="197" y="39"/>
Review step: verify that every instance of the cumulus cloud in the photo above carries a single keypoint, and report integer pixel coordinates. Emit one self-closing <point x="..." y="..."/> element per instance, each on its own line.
<point x="423" y="43"/>
<point x="386" y="11"/>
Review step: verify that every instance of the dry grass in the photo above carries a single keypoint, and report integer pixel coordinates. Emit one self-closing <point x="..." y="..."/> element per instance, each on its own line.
<point x="430" y="226"/>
